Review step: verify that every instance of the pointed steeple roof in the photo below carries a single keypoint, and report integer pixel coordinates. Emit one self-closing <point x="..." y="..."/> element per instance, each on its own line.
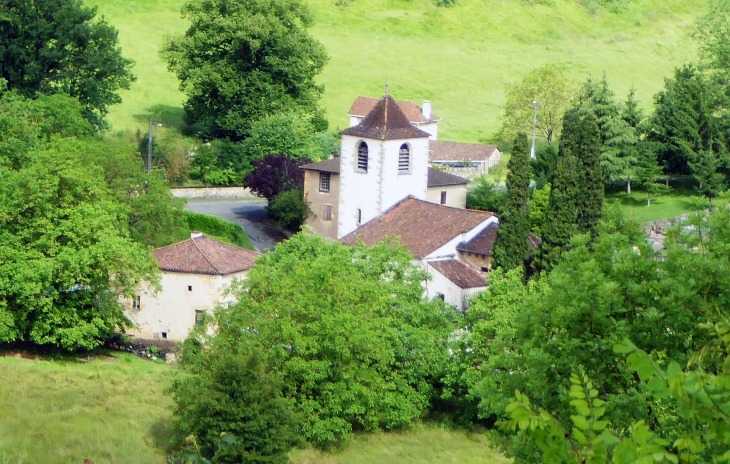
<point x="385" y="122"/>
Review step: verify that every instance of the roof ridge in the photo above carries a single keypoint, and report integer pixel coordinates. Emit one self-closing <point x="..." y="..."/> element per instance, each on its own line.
<point x="206" y="256"/>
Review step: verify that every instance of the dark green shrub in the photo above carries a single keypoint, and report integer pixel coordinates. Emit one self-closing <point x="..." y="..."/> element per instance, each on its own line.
<point x="239" y="396"/>
<point x="289" y="210"/>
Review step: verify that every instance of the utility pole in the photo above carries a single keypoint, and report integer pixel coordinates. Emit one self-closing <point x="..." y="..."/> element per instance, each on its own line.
<point x="149" y="149"/>
<point x="534" y="123"/>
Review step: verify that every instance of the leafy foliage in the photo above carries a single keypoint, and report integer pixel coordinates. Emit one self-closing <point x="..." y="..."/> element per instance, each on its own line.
<point x="553" y="92"/>
<point x="511" y="245"/>
<point x="219" y="228"/>
<point x="275" y="174"/>
<point x="288" y="133"/>
<point x="346" y="327"/>
<point x="538" y="208"/>
<point x="56" y="46"/>
<point x="289" y="210"/>
<point x="241" y="399"/>
<point x="241" y="60"/>
<point x="485" y="197"/>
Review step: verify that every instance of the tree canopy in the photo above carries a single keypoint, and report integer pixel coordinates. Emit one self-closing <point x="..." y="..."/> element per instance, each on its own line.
<point x="57" y="46"/>
<point x="241" y="60"/>
<point x="347" y="328"/>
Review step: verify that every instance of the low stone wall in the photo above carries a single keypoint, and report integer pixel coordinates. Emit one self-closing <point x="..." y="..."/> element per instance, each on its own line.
<point x="213" y="193"/>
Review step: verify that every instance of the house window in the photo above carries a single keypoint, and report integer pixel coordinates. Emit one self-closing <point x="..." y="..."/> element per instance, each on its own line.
<point x="136" y="304"/>
<point x="327" y="213"/>
<point x="362" y="157"/>
<point x="359" y="216"/>
<point x="485" y="269"/>
<point x="404" y="159"/>
<point x="441" y="296"/>
<point x="164" y="335"/>
<point x="443" y="197"/>
<point x="198" y="316"/>
<point x="324" y="182"/>
<point x="190" y="288"/>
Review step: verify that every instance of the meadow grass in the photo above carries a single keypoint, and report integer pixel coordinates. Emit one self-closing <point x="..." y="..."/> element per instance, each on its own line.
<point x="682" y="198"/>
<point x="110" y="409"/>
<point x="460" y="58"/>
<point x="425" y="444"/>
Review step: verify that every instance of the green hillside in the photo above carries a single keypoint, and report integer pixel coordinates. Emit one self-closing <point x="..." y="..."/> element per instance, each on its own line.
<point x="460" y="58"/>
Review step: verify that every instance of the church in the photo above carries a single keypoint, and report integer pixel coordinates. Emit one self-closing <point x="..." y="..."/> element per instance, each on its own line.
<point x="382" y="185"/>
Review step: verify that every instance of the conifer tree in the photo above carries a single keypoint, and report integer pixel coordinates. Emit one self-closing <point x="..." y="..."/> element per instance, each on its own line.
<point x="511" y="246"/>
<point x="562" y="214"/>
<point x="589" y="201"/>
<point x="648" y="172"/>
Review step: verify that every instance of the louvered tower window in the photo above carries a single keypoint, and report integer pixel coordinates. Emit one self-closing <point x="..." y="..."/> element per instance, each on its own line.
<point x="404" y="159"/>
<point x="362" y="157"/>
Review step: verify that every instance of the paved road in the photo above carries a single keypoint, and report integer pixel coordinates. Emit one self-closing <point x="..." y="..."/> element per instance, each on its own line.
<point x="250" y="214"/>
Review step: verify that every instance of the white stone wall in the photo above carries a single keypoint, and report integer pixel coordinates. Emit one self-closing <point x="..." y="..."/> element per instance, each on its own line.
<point x="455" y="195"/>
<point x="383" y="185"/>
<point x="431" y="127"/>
<point x="201" y="193"/>
<point x="172" y="309"/>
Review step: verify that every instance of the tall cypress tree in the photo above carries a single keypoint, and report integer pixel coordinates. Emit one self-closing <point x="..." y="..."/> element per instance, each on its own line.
<point x="562" y="214"/>
<point x="511" y="246"/>
<point x="589" y="201"/>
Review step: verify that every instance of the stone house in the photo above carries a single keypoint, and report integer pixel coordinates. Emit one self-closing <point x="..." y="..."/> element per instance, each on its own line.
<point x="195" y="276"/>
<point x="467" y="158"/>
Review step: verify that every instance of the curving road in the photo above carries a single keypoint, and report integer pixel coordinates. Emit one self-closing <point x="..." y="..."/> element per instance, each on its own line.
<point x="250" y="214"/>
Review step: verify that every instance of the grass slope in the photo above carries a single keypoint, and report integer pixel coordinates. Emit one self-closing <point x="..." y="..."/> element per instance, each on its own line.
<point x="108" y="409"/>
<point x="426" y="444"/>
<point x="460" y="58"/>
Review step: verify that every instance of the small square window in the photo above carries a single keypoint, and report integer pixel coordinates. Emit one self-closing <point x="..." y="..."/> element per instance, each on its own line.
<point x="190" y="288"/>
<point x="324" y="182"/>
<point x="327" y="213"/>
<point x="164" y="335"/>
<point x="136" y="303"/>
<point x="485" y="269"/>
<point x="443" y="198"/>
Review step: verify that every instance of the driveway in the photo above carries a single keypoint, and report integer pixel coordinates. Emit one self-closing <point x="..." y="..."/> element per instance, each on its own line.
<point x="249" y="214"/>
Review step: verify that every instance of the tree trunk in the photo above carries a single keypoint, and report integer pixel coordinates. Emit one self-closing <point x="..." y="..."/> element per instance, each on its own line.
<point x="648" y="200"/>
<point x="666" y="181"/>
<point x="628" y="186"/>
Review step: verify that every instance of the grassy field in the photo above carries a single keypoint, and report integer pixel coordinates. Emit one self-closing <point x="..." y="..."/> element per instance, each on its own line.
<point x="681" y="199"/>
<point x="425" y="444"/>
<point x="460" y="58"/>
<point x="112" y="409"/>
<point x="107" y="409"/>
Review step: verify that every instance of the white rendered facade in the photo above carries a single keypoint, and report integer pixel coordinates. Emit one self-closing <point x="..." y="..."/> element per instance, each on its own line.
<point x="367" y="195"/>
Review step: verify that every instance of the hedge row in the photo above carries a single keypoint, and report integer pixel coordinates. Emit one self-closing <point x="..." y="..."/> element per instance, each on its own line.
<point x="218" y="228"/>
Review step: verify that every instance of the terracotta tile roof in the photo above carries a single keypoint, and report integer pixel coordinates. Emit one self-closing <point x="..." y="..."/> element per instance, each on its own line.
<point x="385" y="122"/>
<point x="423" y="227"/>
<point x="330" y="165"/>
<point x="364" y="105"/>
<point x="483" y="242"/>
<point x="438" y="178"/>
<point x="204" y="255"/>
<point x="460" y="273"/>
<point x="458" y="151"/>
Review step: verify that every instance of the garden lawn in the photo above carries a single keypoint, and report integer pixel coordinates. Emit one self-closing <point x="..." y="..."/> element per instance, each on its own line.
<point x="681" y="199"/>
<point x="460" y="58"/>
<point x="425" y="444"/>
<point x="110" y="409"/>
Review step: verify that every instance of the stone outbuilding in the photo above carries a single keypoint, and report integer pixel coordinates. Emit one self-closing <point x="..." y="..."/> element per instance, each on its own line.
<point x="195" y="276"/>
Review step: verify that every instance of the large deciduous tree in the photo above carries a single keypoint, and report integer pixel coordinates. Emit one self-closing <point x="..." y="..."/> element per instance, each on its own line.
<point x="241" y="60"/>
<point x="346" y="326"/>
<point x="550" y="87"/>
<point x="57" y="46"/>
<point x="511" y="246"/>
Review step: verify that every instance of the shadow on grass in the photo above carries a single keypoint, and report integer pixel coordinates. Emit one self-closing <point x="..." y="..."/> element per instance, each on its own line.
<point x="51" y="353"/>
<point x="168" y="116"/>
<point x="161" y="433"/>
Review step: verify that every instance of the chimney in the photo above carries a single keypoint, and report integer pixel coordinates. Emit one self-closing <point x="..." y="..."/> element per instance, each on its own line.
<point x="426" y="109"/>
<point x="196" y="234"/>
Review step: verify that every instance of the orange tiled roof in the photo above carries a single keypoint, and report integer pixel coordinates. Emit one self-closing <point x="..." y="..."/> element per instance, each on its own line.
<point x="204" y="255"/>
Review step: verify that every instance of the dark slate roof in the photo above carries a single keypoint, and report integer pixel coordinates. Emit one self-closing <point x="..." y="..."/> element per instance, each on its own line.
<point x="385" y="122"/>
<point x="204" y="255"/>
<point x="458" y="151"/>
<point x="331" y="165"/>
<point x="483" y="242"/>
<point x="423" y="227"/>
<point x="460" y="273"/>
<point x="364" y="105"/>
<point x="438" y="178"/>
